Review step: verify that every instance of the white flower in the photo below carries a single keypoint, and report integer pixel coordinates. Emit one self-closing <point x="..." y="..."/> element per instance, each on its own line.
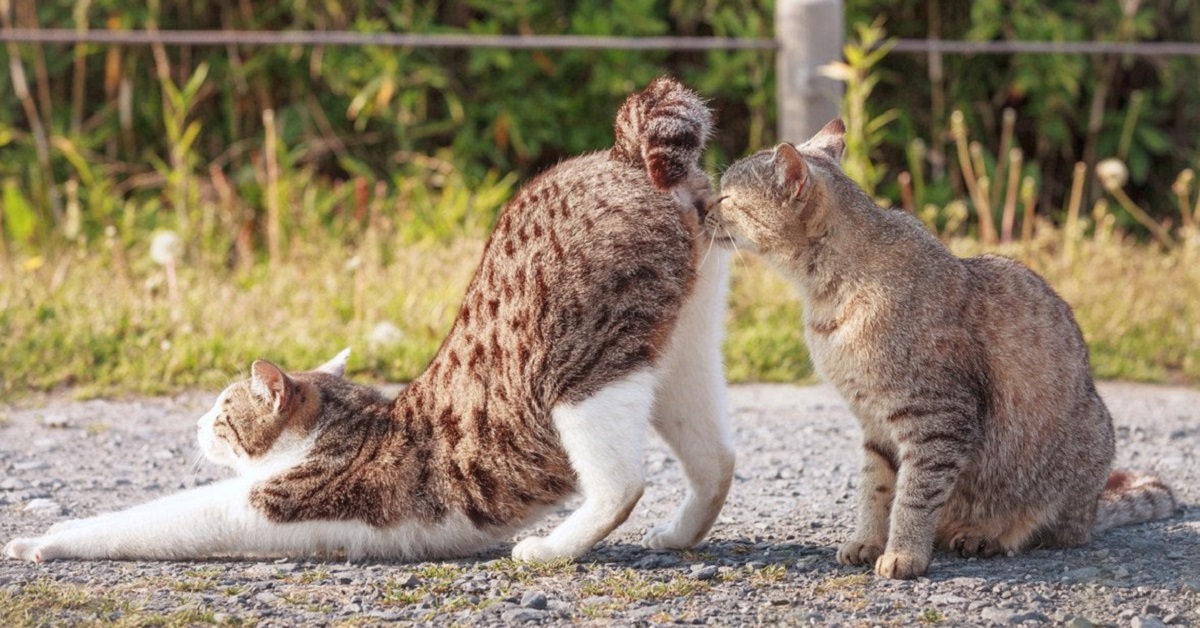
<point x="1112" y="173"/>
<point x="385" y="335"/>
<point x="165" y="248"/>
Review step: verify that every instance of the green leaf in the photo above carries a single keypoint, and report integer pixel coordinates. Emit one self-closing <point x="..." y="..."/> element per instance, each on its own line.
<point x="20" y="219"/>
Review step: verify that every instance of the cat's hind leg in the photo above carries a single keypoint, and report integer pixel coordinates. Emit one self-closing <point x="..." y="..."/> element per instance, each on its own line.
<point x="604" y="437"/>
<point x="690" y="410"/>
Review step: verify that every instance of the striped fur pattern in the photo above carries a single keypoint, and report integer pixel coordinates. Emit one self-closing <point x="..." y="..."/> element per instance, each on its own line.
<point x="983" y="431"/>
<point x="592" y="302"/>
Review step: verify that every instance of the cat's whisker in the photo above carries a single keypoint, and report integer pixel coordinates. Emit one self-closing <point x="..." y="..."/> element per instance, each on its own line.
<point x="708" y="251"/>
<point x="736" y="249"/>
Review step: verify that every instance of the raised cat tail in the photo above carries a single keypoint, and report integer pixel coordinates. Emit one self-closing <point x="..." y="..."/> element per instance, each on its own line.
<point x="1129" y="497"/>
<point x="663" y="129"/>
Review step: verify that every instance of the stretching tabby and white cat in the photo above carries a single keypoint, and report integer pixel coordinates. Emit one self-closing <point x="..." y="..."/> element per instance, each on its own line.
<point x="982" y="427"/>
<point x="593" y="314"/>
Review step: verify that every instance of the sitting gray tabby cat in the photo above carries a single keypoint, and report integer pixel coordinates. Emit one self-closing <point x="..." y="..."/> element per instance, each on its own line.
<point x="982" y="429"/>
<point x="594" y="313"/>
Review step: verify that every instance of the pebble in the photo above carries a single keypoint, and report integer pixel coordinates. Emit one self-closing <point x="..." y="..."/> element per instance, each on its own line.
<point x="522" y="615"/>
<point x="534" y="599"/>
<point x="703" y="572"/>
<point x="1083" y="573"/>
<point x="945" y="599"/>
<point x="44" y="506"/>
<point x="1079" y="622"/>
<point x="408" y="581"/>
<point x="55" y="421"/>
<point x="644" y="613"/>
<point x="268" y="598"/>
<point x="12" y="484"/>
<point x="31" y="465"/>
<point x="1147" y="621"/>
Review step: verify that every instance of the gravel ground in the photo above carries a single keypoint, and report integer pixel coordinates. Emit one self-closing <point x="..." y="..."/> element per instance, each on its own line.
<point x="770" y="558"/>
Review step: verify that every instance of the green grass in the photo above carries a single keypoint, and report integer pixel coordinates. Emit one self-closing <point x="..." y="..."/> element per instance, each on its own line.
<point x="631" y="584"/>
<point x="44" y="601"/>
<point x="72" y="320"/>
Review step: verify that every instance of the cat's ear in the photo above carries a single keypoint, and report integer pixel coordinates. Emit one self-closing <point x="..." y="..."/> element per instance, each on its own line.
<point x="336" y="366"/>
<point x="831" y="140"/>
<point x="270" y="383"/>
<point x="791" y="174"/>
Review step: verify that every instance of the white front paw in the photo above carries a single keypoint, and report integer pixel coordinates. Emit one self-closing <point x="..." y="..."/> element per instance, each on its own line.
<point x="537" y="549"/>
<point x="665" y="536"/>
<point x="36" y="550"/>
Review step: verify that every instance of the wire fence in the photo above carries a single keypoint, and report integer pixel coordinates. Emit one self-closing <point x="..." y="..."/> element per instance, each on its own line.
<point x="560" y="42"/>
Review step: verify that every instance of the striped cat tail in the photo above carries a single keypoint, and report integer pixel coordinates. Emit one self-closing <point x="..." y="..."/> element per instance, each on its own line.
<point x="663" y="129"/>
<point x="1129" y="497"/>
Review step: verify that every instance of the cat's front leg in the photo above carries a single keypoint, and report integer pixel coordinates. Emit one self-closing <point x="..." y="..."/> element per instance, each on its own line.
<point x="875" y="491"/>
<point x="192" y="524"/>
<point x="929" y="466"/>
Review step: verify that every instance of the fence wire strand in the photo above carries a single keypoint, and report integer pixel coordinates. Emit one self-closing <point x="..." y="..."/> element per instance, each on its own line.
<point x="559" y="42"/>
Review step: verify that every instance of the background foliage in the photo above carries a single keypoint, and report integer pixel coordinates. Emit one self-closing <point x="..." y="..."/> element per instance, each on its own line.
<point x="322" y="194"/>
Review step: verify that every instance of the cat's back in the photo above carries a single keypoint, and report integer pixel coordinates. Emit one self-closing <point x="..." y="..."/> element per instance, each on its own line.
<point x="585" y="272"/>
<point x="1023" y="320"/>
<point x="587" y="267"/>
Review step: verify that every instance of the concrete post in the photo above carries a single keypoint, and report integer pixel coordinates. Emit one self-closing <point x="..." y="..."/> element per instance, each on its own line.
<point x="809" y="33"/>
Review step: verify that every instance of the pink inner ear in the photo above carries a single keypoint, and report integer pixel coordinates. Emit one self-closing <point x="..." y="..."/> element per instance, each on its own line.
<point x="791" y="170"/>
<point x="269" y="379"/>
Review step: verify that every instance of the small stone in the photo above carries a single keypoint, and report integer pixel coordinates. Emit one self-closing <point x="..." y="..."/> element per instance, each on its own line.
<point x="780" y="601"/>
<point x="521" y="615"/>
<point x="997" y="615"/>
<point x="220" y="618"/>
<point x="386" y="616"/>
<point x="408" y="581"/>
<point x="258" y="572"/>
<point x="534" y="599"/>
<point x="164" y="454"/>
<point x="31" y="465"/>
<point x="644" y="613"/>
<point x="1170" y="618"/>
<point x="650" y="561"/>
<point x="267" y="598"/>
<point x="1083" y="573"/>
<point x="707" y="572"/>
<point x="351" y="609"/>
<point x="43" y="506"/>
<point x="55" y="421"/>
<point x="946" y="599"/>
<point x="1030" y="616"/>
<point x="1079" y="622"/>
<point x="1190" y="586"/>
<point x="12" y="484"/>
<point x="1147" y="621"/>
<point x="1120" y="573"/>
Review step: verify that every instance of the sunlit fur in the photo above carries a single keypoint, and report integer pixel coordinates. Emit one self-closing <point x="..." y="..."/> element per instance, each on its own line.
<point x="595" y="313"/>
<point x="982" y="428"/>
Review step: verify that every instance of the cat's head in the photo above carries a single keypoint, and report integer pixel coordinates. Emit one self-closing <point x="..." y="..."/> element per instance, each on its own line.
<point x="268" y="416"/>
<point x="774" y="200"/>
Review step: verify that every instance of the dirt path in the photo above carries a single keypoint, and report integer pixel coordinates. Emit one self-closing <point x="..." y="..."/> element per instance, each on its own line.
<point x="768" y="560"/>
